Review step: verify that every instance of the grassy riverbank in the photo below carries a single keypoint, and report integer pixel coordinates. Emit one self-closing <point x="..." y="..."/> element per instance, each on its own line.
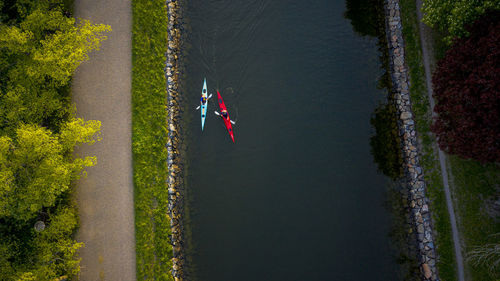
<point x="471" y="183"/>
<point x="149" y="45"/>
<point x="474" y="185"/>
<point x="428" y="157"/>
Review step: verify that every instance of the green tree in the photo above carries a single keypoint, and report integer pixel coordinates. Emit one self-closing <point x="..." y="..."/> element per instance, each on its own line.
<point x="51" y="254"/>
<point x="452" y="16"/>
<point x="48" y="46"/>
<point x="40" y="48"/>
<point x="37" y="59"/>
<point x="37" y="166"/>
<point x="55" y="251"/>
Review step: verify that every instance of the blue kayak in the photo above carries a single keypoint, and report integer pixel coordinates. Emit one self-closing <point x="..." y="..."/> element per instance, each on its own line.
<point x="204" y="105"/>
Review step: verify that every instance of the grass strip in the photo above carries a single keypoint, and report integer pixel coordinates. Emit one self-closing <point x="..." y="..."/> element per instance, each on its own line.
<point x="149" y="136"/>
<point x="474" y="186"/>
<point x="428" y="154"/>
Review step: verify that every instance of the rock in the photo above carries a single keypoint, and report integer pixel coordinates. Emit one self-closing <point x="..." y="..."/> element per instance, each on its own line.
<point x="398" y="61"/>
<point x="426" y="270"/>
<point x="419" y="218"/>
<point x="428" y="235"/>
<point x="425" y="208"/>
<point x="409" y="122"/>
<point x="420" y="228"/>
<point x="406" y="115"/>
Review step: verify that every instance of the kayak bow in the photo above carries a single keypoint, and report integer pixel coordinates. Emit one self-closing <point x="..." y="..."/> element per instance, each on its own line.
<point x="227" y="121"/>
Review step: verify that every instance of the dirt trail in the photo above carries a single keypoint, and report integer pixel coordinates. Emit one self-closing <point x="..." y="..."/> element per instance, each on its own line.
<point x="426" y="41"/>
<point x="102" y="91"/>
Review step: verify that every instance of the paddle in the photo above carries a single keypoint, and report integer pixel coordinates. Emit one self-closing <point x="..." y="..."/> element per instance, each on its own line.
<point x="207" y="99"/>
<point x="232" y="122"/>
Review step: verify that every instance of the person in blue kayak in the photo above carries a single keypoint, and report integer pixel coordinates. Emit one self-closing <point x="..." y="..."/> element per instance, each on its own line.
<point x="224" y="114"/>
<point x="203" y="100"/>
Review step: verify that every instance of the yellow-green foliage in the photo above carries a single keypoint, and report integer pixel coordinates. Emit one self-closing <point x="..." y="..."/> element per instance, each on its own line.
<point x="53" y="251"/>
<point x="40" y="47"/>
<point x="149" y="98"/>
<point x="37" y="58"/>
<point x="452" y="16"/>
<point x="35" y="167"/>
<point x="52" y="45"/>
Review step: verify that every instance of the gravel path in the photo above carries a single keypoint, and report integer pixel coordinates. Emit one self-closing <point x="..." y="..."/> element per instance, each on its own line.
<point x="102" y="91"/>
<point x="426" y="42"/>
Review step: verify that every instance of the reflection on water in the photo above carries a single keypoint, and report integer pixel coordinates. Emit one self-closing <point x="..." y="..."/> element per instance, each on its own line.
<point x="298" y="197"/>
<point x="385" y="143"/>
<point x="367" y="18"/>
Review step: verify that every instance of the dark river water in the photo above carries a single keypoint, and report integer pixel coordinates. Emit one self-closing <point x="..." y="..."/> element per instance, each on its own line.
<point x="298" y="196"/>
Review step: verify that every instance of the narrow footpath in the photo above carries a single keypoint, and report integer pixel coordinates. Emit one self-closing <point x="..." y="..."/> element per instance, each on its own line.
<point x="426" y="42"/>
<point x="102" y="91"/>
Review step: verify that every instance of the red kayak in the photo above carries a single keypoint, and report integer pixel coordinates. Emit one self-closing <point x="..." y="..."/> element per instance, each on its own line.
<point x="227" y="121"/>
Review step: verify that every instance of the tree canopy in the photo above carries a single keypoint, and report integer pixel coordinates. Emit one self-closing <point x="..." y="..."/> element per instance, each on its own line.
<point x="51" y="253"/>
<point x="37" y="59"/>
<point x="35" y="168"/>
<point x="452" y="16"/>
<point x="467" y="93"/>
<point x="40" y="48"/>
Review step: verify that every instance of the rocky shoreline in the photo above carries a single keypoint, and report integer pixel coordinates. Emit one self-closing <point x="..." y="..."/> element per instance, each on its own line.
<point x="421" y="221"/>
<point x="175" y="182"/>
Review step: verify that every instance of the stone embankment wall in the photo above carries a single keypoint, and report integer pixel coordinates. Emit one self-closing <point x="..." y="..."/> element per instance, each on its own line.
<point x="173" y="72"/>
<point x="419" y="203"/>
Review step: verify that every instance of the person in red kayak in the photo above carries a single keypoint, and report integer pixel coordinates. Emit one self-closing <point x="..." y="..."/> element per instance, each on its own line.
<point x="224" y="114"/>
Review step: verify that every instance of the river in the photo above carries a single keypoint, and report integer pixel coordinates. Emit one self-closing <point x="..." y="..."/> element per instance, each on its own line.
<point x="298" y="196"/>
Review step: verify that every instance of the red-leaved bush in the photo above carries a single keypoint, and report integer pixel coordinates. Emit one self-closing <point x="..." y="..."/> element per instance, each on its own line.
<point x="467" y="93"/>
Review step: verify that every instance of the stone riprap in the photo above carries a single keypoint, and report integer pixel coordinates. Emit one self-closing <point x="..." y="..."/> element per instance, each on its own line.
<point x="173" y="70"/>
<point x="419" y="203"/>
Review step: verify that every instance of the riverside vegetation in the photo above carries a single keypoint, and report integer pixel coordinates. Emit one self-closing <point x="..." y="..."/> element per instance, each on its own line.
<point x="41" y="45"/>
<point x="474" y="184"/>
<point x="149" y="137"/>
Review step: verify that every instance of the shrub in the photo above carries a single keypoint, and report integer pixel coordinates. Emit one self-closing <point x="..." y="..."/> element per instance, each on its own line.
<point x="467" y="93"/>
